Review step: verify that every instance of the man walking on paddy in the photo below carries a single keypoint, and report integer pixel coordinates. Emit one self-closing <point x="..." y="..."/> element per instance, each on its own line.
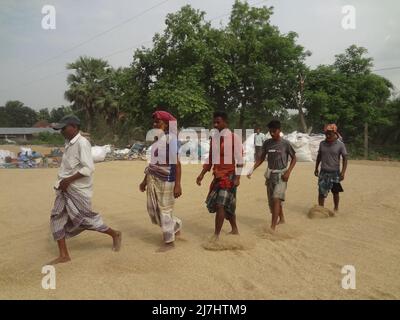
<point x="277" y="174"/>
<point x="329" y="153"/>
<point x="162" y="180"/>
<point x="226" y="159"/>
<point x="72" y="211"/>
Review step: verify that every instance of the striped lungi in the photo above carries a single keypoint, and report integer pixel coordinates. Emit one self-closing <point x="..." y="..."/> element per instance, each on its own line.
<point x="222" y="192"/>
<point x="72" y="214"/>
<point x="160" y="204"/>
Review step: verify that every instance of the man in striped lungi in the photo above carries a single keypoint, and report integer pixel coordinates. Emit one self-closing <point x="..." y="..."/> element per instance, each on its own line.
<point x="72" y="211"/>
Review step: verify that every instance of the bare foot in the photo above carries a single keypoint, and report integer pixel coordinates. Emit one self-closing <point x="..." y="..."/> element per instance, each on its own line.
<point x="215" y="237"/>
<point x="234" y="232"/>
<point x="59" y="260"/>
<point x="117" y="241"/>
<point x="273" y="228"/>
<point x="166" y="247"/>
<point x="281" y="220"/>
<point x="179" y="237"/>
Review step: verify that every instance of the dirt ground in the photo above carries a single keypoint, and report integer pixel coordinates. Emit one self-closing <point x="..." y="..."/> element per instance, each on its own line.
<point x="303" y="260"/>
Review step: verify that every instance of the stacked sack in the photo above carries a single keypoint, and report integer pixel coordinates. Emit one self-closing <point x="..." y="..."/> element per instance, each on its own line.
<point x="301" y="144"/>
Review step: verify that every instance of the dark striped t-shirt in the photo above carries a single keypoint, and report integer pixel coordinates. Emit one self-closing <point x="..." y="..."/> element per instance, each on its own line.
<point x="278" y="153"/>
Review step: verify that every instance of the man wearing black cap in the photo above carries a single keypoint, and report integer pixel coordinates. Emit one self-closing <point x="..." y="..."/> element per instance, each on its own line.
<point x="72" y="212"/>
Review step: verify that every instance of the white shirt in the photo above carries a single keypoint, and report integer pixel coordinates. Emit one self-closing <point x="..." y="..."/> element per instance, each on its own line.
<point x="77" y="157"/>
<point x="259" y="139"/>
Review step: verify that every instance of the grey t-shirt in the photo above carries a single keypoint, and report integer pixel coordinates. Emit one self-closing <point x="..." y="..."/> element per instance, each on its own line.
<point x="330" y="155"/>
<point x="278" y="153"/>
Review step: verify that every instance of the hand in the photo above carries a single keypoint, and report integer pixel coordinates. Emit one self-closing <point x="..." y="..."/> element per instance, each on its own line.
<point x="236" y="182"/>
<point x="285" y="176"/>
<point x="199" y="179"/>
<point x="177" y="190"/>
<point x="249" y="175"/>
<point x="142" y="186"/>
<point x="316" y="173"/>
<point x="341" y="176"/>
<point x="64" y="184"/>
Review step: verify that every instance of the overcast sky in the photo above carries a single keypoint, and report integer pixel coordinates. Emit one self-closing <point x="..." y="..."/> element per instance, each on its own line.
<point x="32" y="60"/>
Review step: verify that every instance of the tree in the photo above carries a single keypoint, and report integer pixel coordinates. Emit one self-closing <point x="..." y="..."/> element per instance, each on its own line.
<point x="172" y="73"/>
<point x="43" y="115"/>
<point x="57" y="114"/>
<point x="353" y="62"/>
<point x="389" y="131"/>
<point x="266" y="63"/>
<point x="87" y="87"/>
<point x="247" y="68"/>
<point x="16" y="114"/>
<point x="3" y="117"/>
<point x="349" y="94"/>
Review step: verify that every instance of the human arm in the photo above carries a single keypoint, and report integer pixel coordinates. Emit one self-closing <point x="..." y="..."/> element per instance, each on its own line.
<point x="178" y="187"/>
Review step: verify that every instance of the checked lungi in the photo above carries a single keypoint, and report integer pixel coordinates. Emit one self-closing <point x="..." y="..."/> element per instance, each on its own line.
<point x="72" y="214"/>
<point x="160" y="204"/>
<point x="329" y="181"/>
<point x="222" y="192"/>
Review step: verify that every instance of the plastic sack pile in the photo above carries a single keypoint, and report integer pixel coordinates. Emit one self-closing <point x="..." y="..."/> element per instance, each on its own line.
<point x="6" y="155"/>
<point x="109" y="153"/>
<point x="305" y="145"/>
<point x="25" y="159"/>
<point x="99" y="153"/>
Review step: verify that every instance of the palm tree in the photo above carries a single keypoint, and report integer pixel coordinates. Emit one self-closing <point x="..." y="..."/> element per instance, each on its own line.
<point x="88" y="86"/>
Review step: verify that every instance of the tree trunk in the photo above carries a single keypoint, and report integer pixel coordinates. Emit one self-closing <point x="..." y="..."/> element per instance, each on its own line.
<point x="302" y="120"/>
<point x="366" y="140"/>
<point x="88" y="121"/>
<point x="242" y="110"/>
<point x="300" y="103"/>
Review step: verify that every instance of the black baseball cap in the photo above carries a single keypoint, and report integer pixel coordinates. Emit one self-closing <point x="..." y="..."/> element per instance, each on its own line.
<point x="70" y="119"/>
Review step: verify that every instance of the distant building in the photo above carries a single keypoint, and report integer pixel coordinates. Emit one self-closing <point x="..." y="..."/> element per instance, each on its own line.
<point x="23" y="133"/>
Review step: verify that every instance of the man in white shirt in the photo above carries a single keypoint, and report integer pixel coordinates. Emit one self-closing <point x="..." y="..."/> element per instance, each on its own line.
<point x="259" y="139"/>
<point x="72" y="212"/>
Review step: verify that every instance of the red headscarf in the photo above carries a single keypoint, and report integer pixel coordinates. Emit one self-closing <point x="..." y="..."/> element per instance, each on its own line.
<point x="164" y="116"/>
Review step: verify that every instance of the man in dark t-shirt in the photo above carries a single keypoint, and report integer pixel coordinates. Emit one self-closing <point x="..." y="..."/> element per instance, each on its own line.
<point x="330" y="176"/>
<point x="278" y="151"/>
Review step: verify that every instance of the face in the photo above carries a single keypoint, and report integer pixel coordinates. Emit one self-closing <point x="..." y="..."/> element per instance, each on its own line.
<point x="159" y="124"/>
<point x="219" y="123"/>
<point x="330" y="136"/>
<point x="258" y="130"/>
<point x="69" y="131"/>
<point x="275" y="133"/>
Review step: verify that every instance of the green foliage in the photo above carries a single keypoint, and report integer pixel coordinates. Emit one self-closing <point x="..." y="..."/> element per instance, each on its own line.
<point x="348" y="94"/>
<point x="16" y="114"/>
<point x="43" y="115"/>
<point x="47" y="138"/>
<point x="89" y="88"/>
<point x="247" y="68"/>
<point x="57" y="114"/>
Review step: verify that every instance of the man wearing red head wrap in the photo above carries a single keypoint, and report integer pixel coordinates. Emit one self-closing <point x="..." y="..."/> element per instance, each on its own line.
<point x="163" y="116"/>
<point x="329" y="153"/>
<point x="162" y="179"/>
